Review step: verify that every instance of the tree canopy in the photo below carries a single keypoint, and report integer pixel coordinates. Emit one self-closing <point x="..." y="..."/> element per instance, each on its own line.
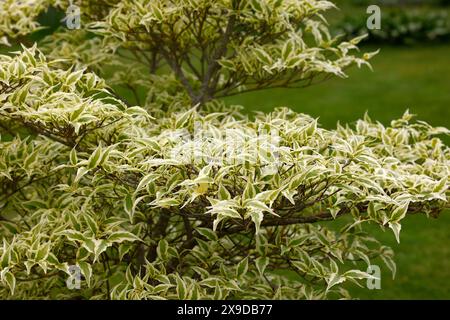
<point x="118" y="156"/>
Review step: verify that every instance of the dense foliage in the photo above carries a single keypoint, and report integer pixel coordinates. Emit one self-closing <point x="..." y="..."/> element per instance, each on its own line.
<point x="118" y="156"/>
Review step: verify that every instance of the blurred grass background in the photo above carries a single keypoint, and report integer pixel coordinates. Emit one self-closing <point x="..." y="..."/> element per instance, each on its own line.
<point x="415" y="77"/>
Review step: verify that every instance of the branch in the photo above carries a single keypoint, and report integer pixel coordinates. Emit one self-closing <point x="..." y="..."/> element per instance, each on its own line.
<point x="213" y="66"/>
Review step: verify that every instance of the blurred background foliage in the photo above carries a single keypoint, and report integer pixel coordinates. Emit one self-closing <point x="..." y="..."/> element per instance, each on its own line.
<point x="412" y="71"/>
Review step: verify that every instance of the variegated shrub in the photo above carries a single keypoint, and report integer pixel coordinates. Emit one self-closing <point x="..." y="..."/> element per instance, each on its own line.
<point x="118" y="156"/>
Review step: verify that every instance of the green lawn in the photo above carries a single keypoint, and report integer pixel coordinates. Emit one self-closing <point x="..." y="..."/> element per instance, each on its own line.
<point x="417" y="78"/>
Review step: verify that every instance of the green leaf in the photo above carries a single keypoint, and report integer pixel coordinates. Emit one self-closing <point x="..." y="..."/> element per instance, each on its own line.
<point x="263" y="56"/>
<point x="201" y="272"/>
<point x="146" y="180"/>
<point x="10" y="281"/>
<point x="297" y="241"/>
<point x="441" y="186"/>
<point x="166" y="202"/>
<point x="334" y="279"/>
<point x="91" y="223"/>
<point x="268" y="196"/>
<point x="371" y="210"/>
<point x="10" y="226"/>
<point x="311" y="129"/>
<point x="257" y="217"/>
<point x="181" y="288"/>
<point x="74" y="116"/>
<point x="358" y="274"/>
<point x="259" y="206"/>
<point x="224" y="194"/>
<point x="162" y="249"/>
<point x="288" y="48"/>
<point x="73" y="157"/>
<point x="396" y="227"/>
<point x="86" y="270"/>
<point x="43" y="252"/>
<point x="158" y="13"/>
<point x="128" y="206"/>
<point x="73" y="235"/>
<point x="94" y="159"/>
<point x="100" y="247"/>
<point x="207" y="233"/>
<point x="249" y="191"/>
<point x="183" y="118"/>
<point x="256" y="4"/>
<point x="261" y="264"/>
<point x="390" y="263"/>
<point x="399" y="212"/>
<point x="96" y="246"/>
<point x="227" y="64"/>
<point x="80" y="173"/>
<point x="30" y="159"/>
<point x="293" y="61"/>
<point x="124" y="248"/>
<point x="74" y="77"/>
<point x="121" y="236"/>
<point x="242" y="268"/>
